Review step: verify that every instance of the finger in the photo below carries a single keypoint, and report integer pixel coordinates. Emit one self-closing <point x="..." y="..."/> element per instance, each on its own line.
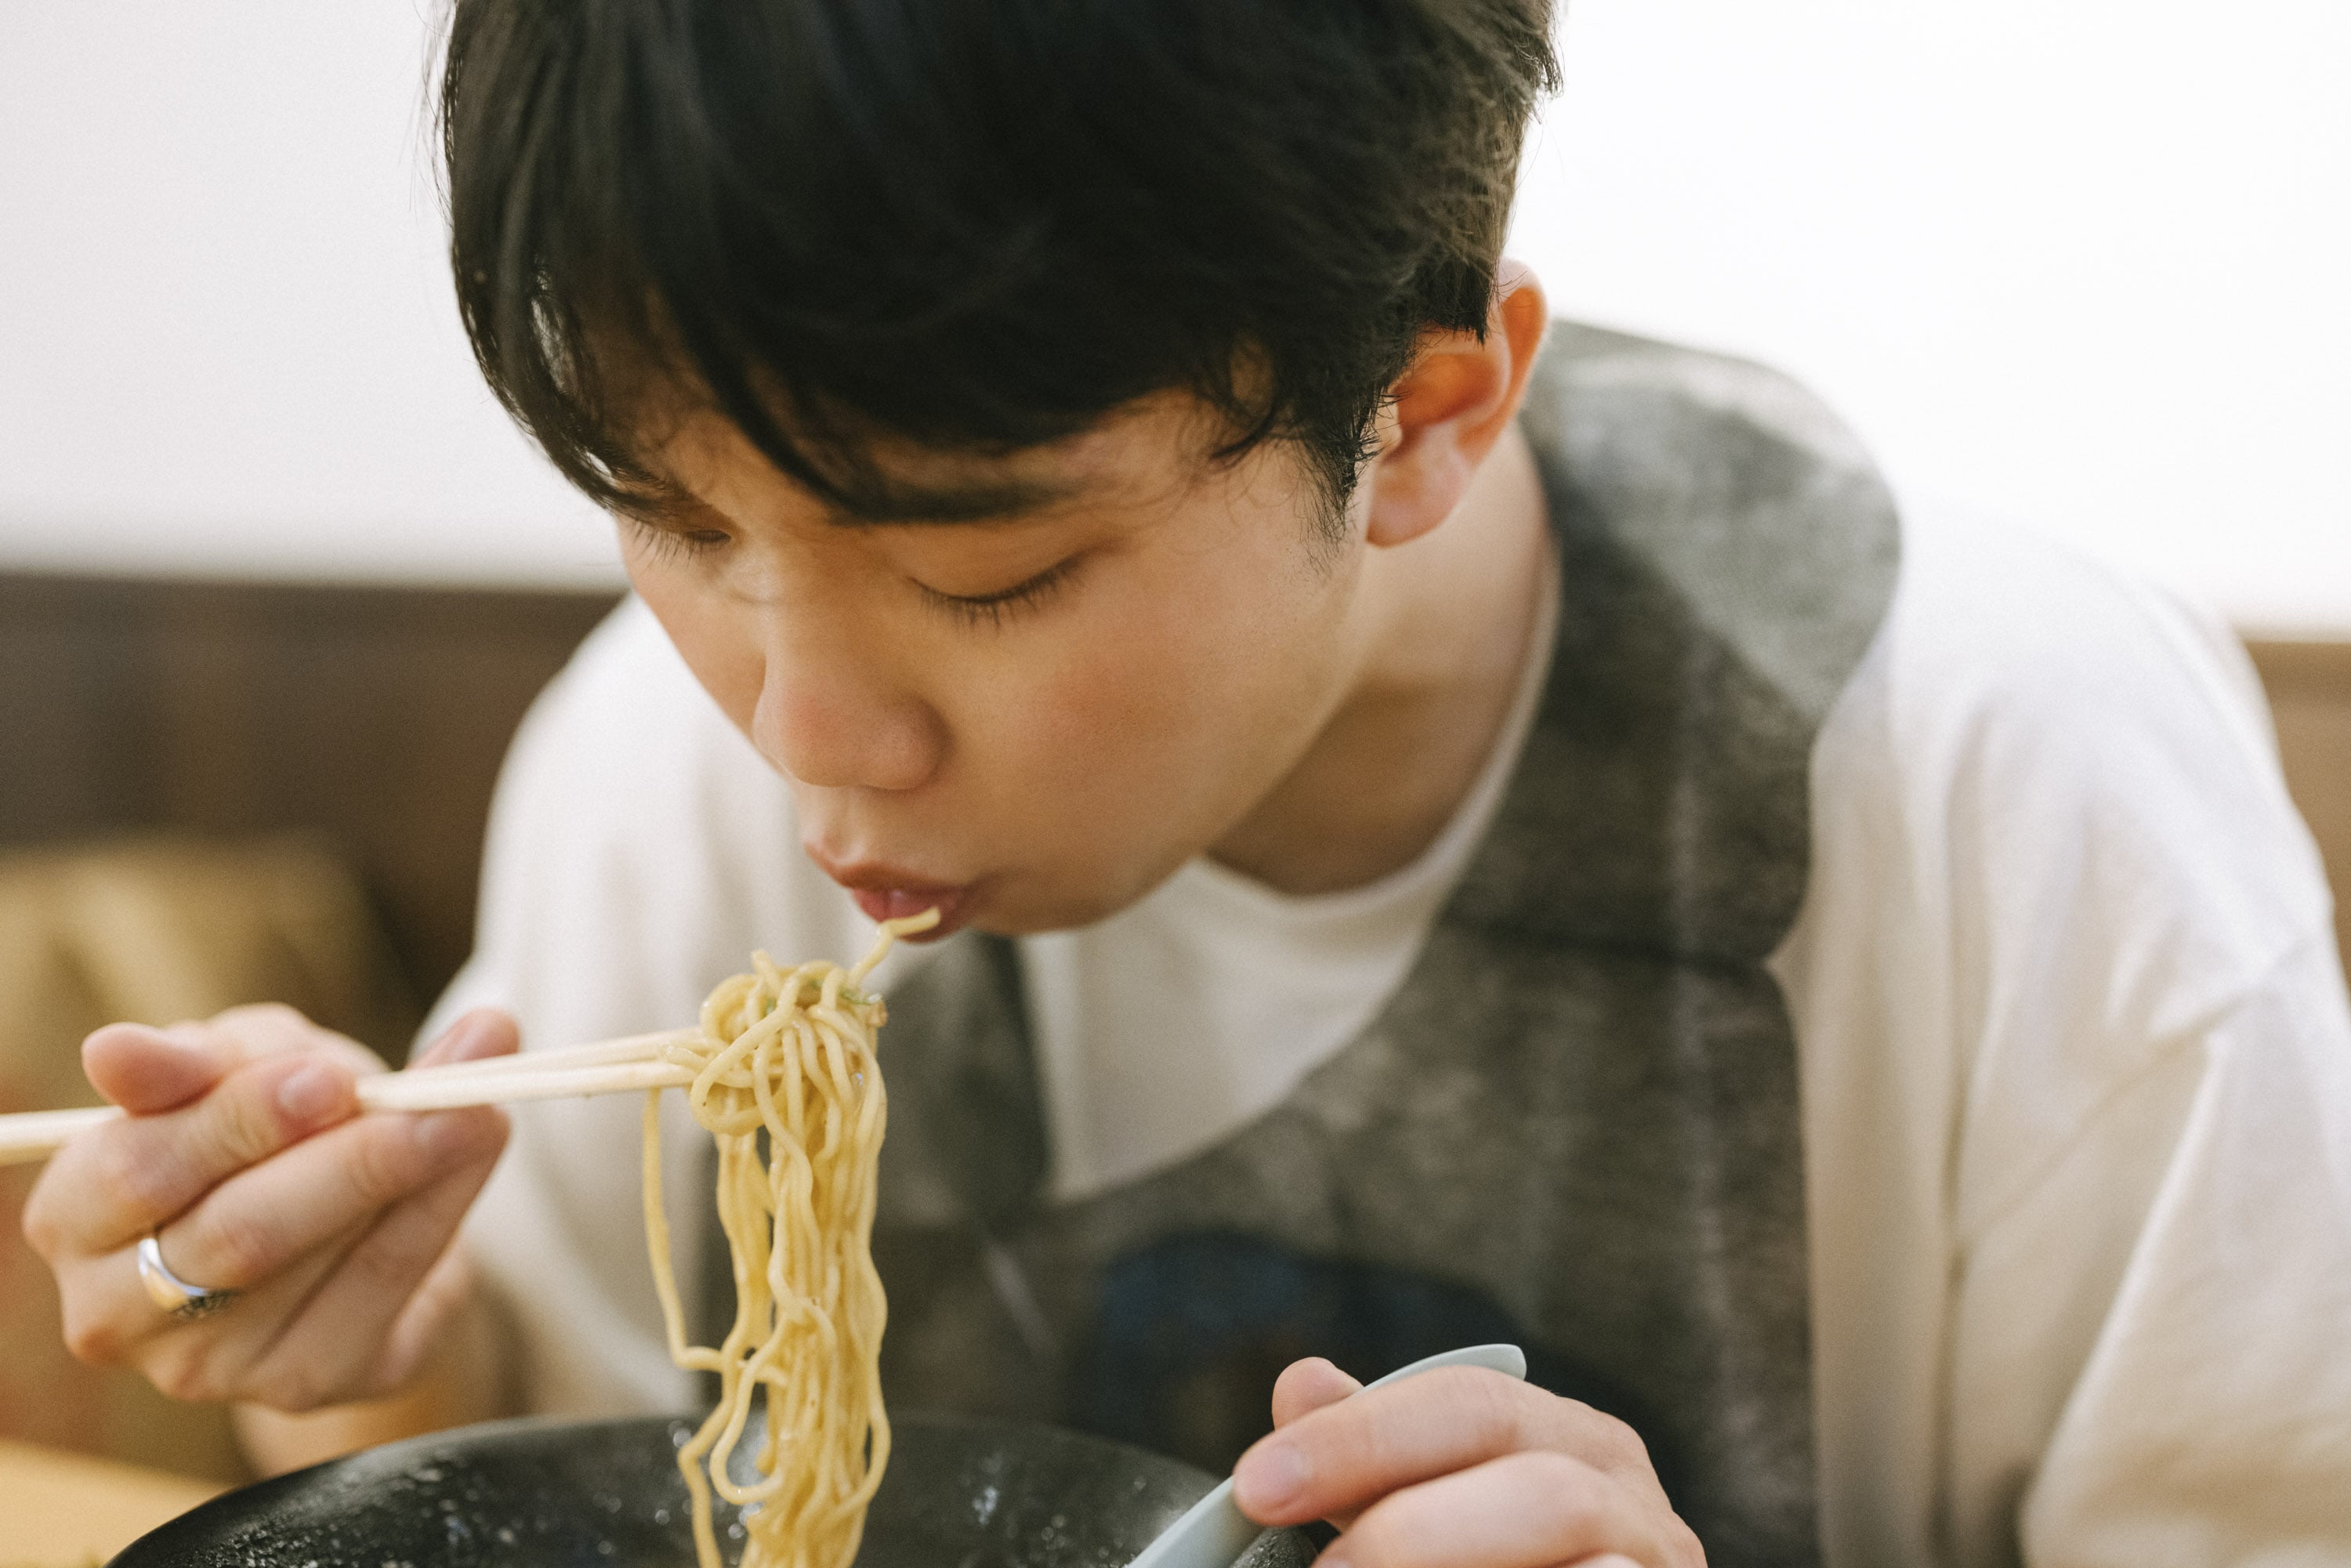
<point x="290" y="1215"/>
<point x="1345" y="1456"/>
<point x="1305" y="1387"/>
<point x="484" y="1031"/>
<point x="261" y="1220"/>
<point x="146" y="1071"/>
<point x="242" y="1354"/>
<point x="366" y="1327"/>
<point x="258" y="1030"/>
<point x="1526" y="1510"/>
<point x="207" y="1360"/>
<point x="431" y="1309"/>
<point x="114" y="1184"/>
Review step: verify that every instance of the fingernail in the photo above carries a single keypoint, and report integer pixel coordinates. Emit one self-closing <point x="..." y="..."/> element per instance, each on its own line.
<point x="453" y="1040"/>
<point x="464" y="1040"/>
<point x="311" y="1093"/>
<point x="1269" y="1477"/>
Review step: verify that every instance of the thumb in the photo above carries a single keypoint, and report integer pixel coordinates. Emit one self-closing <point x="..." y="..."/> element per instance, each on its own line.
<point x="1305" y="1387"/>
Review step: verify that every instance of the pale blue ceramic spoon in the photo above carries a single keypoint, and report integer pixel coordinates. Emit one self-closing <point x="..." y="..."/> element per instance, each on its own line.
<point x="1214" y="1532"/>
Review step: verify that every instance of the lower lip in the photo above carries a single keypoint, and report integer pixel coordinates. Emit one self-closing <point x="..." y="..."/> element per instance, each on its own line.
<point x="882" y="904"/>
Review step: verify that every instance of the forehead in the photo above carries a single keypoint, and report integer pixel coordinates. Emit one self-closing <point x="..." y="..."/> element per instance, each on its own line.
<point x="1154" y="450"/>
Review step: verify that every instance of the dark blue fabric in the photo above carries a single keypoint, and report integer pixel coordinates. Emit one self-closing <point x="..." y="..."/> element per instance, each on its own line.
<point x="1190" y="1333"/>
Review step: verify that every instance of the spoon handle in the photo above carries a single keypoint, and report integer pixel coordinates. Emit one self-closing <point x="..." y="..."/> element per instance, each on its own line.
<point x="1212" y="1532"/>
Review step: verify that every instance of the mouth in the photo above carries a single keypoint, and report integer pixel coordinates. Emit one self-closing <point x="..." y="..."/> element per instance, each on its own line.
<point x="886" y="892"/>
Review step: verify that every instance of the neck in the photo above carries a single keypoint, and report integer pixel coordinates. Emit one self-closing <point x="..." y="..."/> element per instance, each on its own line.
<point x="1443" y="624"/>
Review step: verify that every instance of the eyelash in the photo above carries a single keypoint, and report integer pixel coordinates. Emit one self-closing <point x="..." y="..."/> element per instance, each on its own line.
<point x="992" y="609"/>
<point x="670" y="544"/>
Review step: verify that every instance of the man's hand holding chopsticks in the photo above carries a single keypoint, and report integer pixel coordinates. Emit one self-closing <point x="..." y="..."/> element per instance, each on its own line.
<point x="243" y="1234"/>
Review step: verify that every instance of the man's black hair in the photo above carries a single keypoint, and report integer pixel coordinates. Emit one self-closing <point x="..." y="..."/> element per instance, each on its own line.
<point x="975" y="225"/>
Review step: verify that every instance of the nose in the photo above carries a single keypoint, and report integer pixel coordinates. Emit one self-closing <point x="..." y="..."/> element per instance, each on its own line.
<point x="835" y="716"/>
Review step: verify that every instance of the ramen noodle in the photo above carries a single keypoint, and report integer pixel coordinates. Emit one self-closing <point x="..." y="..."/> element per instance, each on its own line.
<point x="786" y="1080"/>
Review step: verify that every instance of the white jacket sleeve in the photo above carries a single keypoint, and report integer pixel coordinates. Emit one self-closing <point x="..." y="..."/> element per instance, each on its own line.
<point x="2077" y="1086"/>
<point x="2211" y="1422"/>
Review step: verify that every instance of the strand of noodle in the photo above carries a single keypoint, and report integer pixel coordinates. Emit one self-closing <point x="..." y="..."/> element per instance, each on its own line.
<point x="692" y="1357"/>
<point x="771" y="1059"/>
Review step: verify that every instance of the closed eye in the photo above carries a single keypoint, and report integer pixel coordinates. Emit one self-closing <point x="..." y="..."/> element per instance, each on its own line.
<point x="993" y="609"/>
<point x="666" y="541"/>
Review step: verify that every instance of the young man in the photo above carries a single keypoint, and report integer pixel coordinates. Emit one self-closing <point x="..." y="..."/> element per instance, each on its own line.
<point x="1452" y="830"/>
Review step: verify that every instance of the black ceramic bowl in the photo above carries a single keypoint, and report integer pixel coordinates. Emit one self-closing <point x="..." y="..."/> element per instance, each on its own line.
<point x="607" y="1494"/>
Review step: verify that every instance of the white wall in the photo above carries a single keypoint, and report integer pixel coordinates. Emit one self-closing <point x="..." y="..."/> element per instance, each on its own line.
<point x="2078" y="261"/>
<point x="227" y="344"/>
<point x="2085" y="263"/>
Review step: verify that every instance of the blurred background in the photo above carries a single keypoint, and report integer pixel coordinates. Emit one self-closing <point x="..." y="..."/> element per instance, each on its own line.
<point x="276" y="577"/>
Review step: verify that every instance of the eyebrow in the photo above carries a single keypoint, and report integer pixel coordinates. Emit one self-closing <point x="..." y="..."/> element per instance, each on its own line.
<point x="891" y="504"/>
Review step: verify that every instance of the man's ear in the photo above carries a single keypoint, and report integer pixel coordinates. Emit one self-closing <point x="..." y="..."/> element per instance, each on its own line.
<point x="1449" y="407"/>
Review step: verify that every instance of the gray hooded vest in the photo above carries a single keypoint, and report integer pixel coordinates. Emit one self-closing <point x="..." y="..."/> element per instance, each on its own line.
<point x="1576" y="1124"/>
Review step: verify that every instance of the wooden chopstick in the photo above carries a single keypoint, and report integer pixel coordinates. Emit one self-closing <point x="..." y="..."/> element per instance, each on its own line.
<point x="630" y="1048"/>
<point x="607" y="1067"/>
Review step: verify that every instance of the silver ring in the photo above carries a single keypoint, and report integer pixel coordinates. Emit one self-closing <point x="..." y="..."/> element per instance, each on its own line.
<point x="183" y="1301"/>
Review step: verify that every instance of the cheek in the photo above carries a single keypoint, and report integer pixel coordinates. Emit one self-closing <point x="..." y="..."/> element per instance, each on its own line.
<point x="705" y="627"/>
<point x="1190" y="690"/>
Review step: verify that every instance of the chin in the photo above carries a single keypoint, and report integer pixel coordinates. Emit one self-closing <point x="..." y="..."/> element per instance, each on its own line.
<point x="1035" y="915"/>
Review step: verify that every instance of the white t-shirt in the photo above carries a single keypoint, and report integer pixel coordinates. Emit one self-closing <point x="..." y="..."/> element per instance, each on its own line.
<point x="2074" y="1053"/>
